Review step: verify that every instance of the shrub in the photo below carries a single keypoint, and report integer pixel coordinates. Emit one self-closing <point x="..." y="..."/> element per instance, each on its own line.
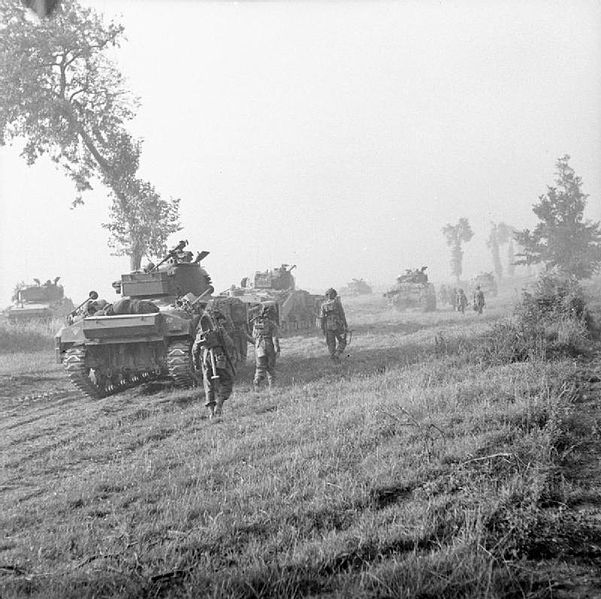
<point x="552" y="320"/>
<point x="28" y="337"/>
<point x="555" y="297"/>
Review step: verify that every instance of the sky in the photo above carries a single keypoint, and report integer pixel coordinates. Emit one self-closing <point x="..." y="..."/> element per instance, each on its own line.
<point x="337" y="136"/>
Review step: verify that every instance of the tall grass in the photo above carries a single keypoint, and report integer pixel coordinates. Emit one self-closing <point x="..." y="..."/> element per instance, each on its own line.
<point x="30" y="336"/>
<point x="407" y="472"/>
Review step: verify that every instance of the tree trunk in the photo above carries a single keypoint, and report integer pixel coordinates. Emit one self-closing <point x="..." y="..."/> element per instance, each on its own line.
<point x="496" y="257"/>
<point x="135" y="259"/>
<point x="510" y="259"/>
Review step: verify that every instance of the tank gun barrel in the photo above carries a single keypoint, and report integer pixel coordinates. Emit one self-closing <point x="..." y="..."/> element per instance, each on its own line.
<point x="205" y="292"/>
<point x="200" y="257"/>
<point x="91" y="296"/>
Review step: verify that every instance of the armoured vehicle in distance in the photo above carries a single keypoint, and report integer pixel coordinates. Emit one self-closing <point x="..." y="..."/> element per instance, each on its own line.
<point x="296" y="309"/>
<point x="487" y="282"/>
<point x="39" y="302"/>
<point x="412" y="290"/>
<point x="356" y="287"/>
<point x="147" y="333"/>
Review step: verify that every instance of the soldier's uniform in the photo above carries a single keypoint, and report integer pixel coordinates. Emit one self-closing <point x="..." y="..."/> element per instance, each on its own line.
<point x="461" y="301"/>
<point x="219" y="382"/>
<point x="265" y="337"/>
<point x="333" y="324"/>
<point x="479" y="300"/>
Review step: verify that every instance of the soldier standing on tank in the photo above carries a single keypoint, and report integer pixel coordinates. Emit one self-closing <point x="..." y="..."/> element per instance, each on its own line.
<point x="265" y="337"/>
<point x="211" y="352"/>
<point x="333" y="324"/>
<point x="479" y="302"/>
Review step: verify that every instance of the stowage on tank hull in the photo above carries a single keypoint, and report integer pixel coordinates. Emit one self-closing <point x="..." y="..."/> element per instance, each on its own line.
<point x="103" y="355"/>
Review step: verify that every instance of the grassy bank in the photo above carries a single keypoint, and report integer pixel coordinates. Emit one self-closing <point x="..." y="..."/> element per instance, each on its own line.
<point x="411" y="471"/>
<point x="37" y="335"/>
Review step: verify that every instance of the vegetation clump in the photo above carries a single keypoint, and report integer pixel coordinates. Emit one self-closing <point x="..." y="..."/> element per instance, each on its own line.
<point x="551" y="320"/>
<point x="30" y="336"/>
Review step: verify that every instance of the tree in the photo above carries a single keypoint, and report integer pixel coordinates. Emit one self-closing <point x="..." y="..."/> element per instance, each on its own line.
<point x="61" y="94"/>
<point x="511" y="257"/>
<point x="563" y="239"/>
<point x="499" y="235"/>
<point x="456" y="235"/>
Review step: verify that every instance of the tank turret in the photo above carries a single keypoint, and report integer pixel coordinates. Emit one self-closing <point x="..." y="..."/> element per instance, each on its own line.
<point x="175" y="276"/>
<point x="356" y="287"/>
<point x="296" y="309"/>
<point x="277" y="279"/>
<point x="42" y="301"/>
<point x="413" y="291"/>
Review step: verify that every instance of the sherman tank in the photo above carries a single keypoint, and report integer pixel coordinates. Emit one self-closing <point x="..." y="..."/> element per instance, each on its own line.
<point x="296" y="309"/>
<point x="147" y="333"/>
<point x="412" y="291"/>
<point x="39" y="302"/>
<point x="356" y="287"/>
<point x="487" y="282"/>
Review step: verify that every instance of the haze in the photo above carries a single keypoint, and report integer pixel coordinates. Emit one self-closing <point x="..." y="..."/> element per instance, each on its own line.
<point x="338" y="136"/>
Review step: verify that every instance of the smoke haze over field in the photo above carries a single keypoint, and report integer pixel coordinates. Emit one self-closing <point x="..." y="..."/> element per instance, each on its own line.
<point x="340" y="136"/>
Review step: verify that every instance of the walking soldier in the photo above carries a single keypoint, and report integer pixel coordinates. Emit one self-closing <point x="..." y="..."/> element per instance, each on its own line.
<point x="211" y="353"/>
<point x="265" y="338"/>
<point x="333" y="324"/>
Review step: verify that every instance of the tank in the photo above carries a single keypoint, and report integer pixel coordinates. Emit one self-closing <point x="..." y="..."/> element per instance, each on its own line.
<point x="147" y="333"/>
<point x="356" y="287"/>
<point x="39" y="302"/>
<point x="296" y="309"/>
<point x="487" y="282"/>
<point x="413" y="291"/>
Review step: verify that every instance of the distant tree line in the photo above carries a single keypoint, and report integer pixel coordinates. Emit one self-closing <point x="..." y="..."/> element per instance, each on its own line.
<point x="563" y="240"/>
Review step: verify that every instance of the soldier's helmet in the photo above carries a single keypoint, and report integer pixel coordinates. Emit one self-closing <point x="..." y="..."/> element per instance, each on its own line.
<point x="331" y="293"/>
<point x="218" y="315"/>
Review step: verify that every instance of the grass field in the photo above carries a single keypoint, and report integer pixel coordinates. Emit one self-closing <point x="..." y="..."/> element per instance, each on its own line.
<point x="415" y="469"/>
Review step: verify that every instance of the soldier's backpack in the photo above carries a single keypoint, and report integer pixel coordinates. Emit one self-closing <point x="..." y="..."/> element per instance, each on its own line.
<point x="331" y="310"/>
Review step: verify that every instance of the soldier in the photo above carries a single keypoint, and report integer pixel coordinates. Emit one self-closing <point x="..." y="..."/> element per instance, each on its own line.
<point x="333" y="324"/>
<point x="460" y="301"/>
<point x="265" y="338"/>
<point x="479" y="300"/>
<point x="211" y="353"/>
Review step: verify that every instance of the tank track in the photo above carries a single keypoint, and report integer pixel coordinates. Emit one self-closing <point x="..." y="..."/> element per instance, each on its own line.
<point x="79" y="375"/>
<point x="179" y="364"/>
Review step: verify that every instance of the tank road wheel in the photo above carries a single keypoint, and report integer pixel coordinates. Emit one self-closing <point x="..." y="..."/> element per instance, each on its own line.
<point x="179" y="363"/>
<point x="89" y="381"/>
